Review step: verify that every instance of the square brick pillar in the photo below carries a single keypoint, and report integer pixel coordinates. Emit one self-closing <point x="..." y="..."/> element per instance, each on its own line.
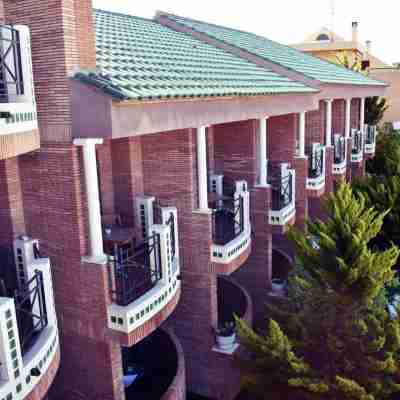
<point x="12" y="221"/>
<point x="300" y="164"/>
<point x="358" y="169"/>
<point x="256" y="274"/>
<point x="349" y="163"/>
<point x="328" y="169"/>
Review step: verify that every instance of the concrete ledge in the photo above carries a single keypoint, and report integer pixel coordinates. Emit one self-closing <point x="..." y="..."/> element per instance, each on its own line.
<point x="15" y="144"/>
<point x="129" y="339"/>
<point x="234" y="264"/>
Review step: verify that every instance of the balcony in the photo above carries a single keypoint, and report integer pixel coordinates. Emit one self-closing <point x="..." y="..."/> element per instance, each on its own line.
<point x="29" y="348"/>
<point x="370" y="139"/>
<point x="231" y="230"/>
<point x="339" y="156"/>
<point x="233" y="299"/>
<point x="151" y="377"/>
<point x="316" y="170"/>
<point x="17" y="99"/>
<point x="357" y="146"/>
<point x="283" y="209"/>
<point x="144" y="277"/>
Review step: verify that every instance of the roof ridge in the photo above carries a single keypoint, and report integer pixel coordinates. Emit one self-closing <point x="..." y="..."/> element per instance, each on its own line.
<point x="310" y="57"/>
<point x="161" y="13"/>
<point x="99" y="10"/>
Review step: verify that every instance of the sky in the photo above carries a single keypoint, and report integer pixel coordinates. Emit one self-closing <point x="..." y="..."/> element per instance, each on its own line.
<point x="285" y="21"/>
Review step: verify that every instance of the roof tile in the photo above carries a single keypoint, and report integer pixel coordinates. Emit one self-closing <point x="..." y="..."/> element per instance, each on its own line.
<point x="311" y="67"/>
<point x="141" y="59"/>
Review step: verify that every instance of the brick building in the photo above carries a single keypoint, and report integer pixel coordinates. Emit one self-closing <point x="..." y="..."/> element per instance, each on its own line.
<point x="173" y="155"/>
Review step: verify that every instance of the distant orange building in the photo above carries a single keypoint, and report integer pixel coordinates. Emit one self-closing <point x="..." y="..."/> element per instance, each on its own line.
<point x="328" y="45"/>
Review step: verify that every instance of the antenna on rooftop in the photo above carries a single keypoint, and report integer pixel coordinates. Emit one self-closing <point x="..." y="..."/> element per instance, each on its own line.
<point x="332" y="19"/>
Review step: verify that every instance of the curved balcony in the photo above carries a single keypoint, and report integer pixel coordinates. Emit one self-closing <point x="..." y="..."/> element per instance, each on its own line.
<point x="282" y="265"/>
<point x="151" y="377"/>
<point x="339" y="166"/>
<point x="233" y="299"/>
<point x="29" y="346"/>
<point x="283" y="194"/>
<point x="370" y="140"/>
<point x="357" y="146"/>
<point x="231" y="233"/>
<point x="316" y="171"/>
<point x="18" y="121"/>
<point x="144" y="281"/>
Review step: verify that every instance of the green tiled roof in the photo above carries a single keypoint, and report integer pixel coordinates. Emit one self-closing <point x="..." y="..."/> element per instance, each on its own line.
<point x="140" y="59"/>
<point x="309" y="66"/>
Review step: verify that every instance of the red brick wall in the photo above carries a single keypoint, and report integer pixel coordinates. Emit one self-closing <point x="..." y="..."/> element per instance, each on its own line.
<point x="12" y="220"/>
<point x="169" y="173"/>
<point x="85" y="34"/>
<point x="328" y="169"/>
<point x="315" y="125"/>
<point x="339" y="116"/>
<point x="55" y="211"/>
<point x="105" y="171"/>
<point x="282" y="135"/>
<point x="355" y="113"/>
<point x="235" y="151"/>
<point x="349" y="163"/>
<point x="256" y="273"/>
<point x="127" y="176"/>
<point x="56" y="52"/>
<point x="1" y="12"/>
<point x="301" y="167"/>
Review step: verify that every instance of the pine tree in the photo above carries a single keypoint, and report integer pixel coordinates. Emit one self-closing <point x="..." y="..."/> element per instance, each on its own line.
<point x="332" y="338"/>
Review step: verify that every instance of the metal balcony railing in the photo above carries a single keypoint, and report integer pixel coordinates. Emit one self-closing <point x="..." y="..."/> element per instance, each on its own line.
<point x="282" y="191"/>
<point x="11" y="79"/>
<point x="357" y="141"/>
<point x="339" y="154"/>
<point x="370" y="134"/>
<point x="316" y="163"/>
<point x="135" y="270"/>
<point x="30" y="307"/>
<point x="228" y="220"/>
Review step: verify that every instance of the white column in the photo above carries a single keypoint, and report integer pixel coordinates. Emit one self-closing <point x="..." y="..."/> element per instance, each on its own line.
<point x="302" y="134"/>
<point x="202" y="167"/>
<point x="93" y="198"/>
<point x="262" y="153"/>
<point x="362" y="114"/>
<point x="328" y="127"/>
<point x="348" y="118"/>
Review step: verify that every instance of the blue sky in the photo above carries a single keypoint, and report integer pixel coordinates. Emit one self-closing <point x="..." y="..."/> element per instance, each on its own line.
<point x="286" y="21"/>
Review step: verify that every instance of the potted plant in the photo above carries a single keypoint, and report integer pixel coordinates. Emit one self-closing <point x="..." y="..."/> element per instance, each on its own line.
<point x="278" y="285"/>
<point x="226" y="336"/>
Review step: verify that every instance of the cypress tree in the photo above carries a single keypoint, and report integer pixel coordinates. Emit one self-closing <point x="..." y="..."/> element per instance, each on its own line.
<point x="332" y="338"/>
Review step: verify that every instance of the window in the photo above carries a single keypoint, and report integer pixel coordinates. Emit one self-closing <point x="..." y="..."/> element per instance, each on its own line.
<point x="323" y="37"/>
